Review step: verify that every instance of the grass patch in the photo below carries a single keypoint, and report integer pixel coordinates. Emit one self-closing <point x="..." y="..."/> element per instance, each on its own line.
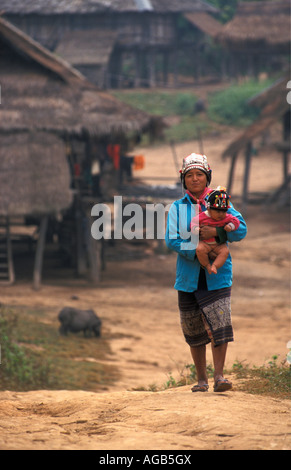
<point x="34" y="355"/>
<point x="231" y="107"/>
<point x="272" y="379"/>
<point x="163" y="103"/>
<point x="228" y="107"/>
<point x="160" y="103"/>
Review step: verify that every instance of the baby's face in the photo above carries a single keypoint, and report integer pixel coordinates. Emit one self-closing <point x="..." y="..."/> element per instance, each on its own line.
<point x="216" y="215"/>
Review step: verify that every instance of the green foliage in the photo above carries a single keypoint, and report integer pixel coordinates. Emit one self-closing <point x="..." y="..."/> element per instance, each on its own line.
<point x="271" y="379"/>
<point x="18" y="369"/>
<point x="186" y="377"/>
<point x="227" y="8"/>
<point x="227" y="107"/>
<point x="231" y="106"/>
<point x="35" y="356"/>
<point x="159" y="103"/>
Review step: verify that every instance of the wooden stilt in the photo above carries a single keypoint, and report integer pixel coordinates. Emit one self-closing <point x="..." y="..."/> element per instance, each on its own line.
<point x="231" y="173"/>
<point x="248" y="157"/>
<point x="39" y="253"/>
<point x="286" y="138"/>
<point x="7" y="275"/>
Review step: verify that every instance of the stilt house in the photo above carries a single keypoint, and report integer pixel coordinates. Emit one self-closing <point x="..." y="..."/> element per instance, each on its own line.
<point x="114" y="43"/>
<point x="53" y="125"/>
<point x="274" y="107"/>
<point x="257" y="38"/>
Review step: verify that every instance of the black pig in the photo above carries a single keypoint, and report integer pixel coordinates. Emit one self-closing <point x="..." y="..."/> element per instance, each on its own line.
<point x="74" y="320"/>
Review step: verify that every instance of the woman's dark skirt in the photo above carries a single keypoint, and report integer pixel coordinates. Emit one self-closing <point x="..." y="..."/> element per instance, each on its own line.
<point x="206" y="315"/>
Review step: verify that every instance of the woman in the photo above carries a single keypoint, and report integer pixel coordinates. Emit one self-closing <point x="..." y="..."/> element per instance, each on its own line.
<point x="204" y="300"/>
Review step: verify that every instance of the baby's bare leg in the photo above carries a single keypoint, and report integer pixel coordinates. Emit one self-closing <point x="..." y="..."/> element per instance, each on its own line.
<point x="202" y="251"/>
<point x="222" y="252"/>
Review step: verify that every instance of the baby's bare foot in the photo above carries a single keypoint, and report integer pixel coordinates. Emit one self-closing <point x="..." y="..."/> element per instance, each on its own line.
<point x="213" y="269"/>
<point x="209" y="268"/>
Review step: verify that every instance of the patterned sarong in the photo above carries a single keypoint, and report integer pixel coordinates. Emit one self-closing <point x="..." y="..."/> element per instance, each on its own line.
<point x="204" y="315"/>
<point x="216" y="309"/>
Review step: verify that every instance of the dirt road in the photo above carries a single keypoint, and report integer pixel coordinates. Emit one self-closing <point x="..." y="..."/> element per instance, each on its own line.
<point x="138" y="306"/>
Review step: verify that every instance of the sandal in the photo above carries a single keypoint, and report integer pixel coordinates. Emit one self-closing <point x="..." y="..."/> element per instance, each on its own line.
<point x="200" y="388"/>
<point x="222" y="385"/>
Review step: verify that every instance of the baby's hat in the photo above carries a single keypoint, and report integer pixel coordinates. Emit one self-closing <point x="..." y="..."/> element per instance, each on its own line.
<point x="218" y="199"/>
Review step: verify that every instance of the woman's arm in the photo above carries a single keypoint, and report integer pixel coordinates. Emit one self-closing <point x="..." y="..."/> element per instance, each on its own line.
<point x="241" y="231"/>
<point x="178" y="234"/>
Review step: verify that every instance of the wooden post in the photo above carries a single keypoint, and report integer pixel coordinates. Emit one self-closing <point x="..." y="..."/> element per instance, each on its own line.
<point x="175" y="66"/>
<point x="165" y="57"/>
<point x="286" y="138"/>
<point x="39" y="253"/>
<point x="79" y="225"/>
<point x="94" y="259"/>
<point x="231" y="172"/>
<point x="151" y="69"/>
<point x="248" y="157"/>
<point x="9" y="253"/>
<point x="137" y="69"/>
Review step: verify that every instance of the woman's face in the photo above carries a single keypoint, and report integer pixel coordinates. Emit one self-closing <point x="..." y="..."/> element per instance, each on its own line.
<point x="195" y="181"/>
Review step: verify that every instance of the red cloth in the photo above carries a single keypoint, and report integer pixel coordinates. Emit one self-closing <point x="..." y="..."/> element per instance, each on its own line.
<point x="204" y="219"/>
<point x="114" y="152"/>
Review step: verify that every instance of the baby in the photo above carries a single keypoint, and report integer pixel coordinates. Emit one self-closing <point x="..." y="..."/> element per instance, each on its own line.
<point x="215" y="216"/>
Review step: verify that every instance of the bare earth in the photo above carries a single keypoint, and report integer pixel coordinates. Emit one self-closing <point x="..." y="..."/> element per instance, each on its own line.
<point x="137" y="296"/>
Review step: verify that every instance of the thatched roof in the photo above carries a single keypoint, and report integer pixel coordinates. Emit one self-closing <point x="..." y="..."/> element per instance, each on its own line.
<point x="263" y="24"/>
<point x="34" y="175"/>
<point x="84" y="47"/>
<point x="46" y="7"/>
<point x="273" y="104"/>
<point x="205" y="22"/>
<point x="26" y="46"/>
<point x="43" y="92"/>
<point x="43" y="98"/>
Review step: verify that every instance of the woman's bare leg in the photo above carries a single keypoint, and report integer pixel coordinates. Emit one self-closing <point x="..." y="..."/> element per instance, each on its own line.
<point x="199" y="357"/>
<point x="219" y="355"/>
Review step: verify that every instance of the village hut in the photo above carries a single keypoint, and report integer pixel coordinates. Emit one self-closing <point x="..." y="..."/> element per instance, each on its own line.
<point x="257" y="38"/>
<point x="114" y="43"/>
<point x="274" y="107"/>
<point x="52" y="120"/>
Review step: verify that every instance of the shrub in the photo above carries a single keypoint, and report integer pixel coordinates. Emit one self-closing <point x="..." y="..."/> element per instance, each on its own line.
<point x="231" y="106"/>
<point x="18" y="368"/>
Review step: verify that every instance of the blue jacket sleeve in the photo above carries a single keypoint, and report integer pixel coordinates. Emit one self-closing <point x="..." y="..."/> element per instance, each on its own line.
<point x="241" y="231"/>
<point x="178" y="234"/>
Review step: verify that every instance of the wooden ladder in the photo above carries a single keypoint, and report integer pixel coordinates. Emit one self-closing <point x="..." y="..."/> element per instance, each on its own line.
<point x="6" y="259"/>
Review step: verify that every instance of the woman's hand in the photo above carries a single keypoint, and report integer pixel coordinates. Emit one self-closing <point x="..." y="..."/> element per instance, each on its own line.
<point x="207" y="232"/>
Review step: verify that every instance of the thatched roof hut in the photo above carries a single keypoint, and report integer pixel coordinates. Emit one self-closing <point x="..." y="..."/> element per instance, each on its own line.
<point x="264" y="24"/>
<point x="257" y="38"/>
<point x="205" y="22"/>
<point x="34" y="175"/>
<point x="273" y="104"/>
<point x="274" y="108"/>
<point x="113" y="42"/>
<point x="97" y="6"/>
<point x="46" y="103"/>
<point x="53" y="96"/>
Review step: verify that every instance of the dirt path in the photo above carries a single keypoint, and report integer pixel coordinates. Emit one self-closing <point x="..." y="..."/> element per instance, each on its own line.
<point x="172" y="419"/>
<point x="139" y="311"/>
